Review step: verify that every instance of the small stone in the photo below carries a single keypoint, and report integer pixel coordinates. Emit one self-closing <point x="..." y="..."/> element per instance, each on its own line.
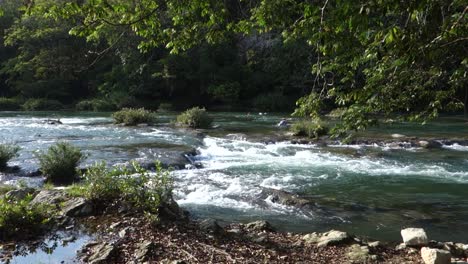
<point x="435" y="256"/>
<point x="211" y="226"/>
<point x="69" y="239"/>
<point x="115" y="225"/>
<point x="414" y="237"/>
<point x="401" y="246"/>
<point x="260" y="226"/>
<point x="374" y="244"/>
<point x="124" y="232"/>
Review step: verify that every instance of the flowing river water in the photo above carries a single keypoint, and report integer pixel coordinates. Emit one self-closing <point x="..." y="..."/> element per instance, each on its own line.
<point x="366" y="189"/>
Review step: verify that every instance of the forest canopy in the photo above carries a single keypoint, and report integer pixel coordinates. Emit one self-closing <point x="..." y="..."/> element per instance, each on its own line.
<point x="366" y="58"/>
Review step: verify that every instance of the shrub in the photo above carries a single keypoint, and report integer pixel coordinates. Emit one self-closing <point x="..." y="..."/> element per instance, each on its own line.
<point x="59" y="162"/>
<point x="132" y="116"/>
<point x="195" y="118"/>
<point x="9" y="104"/>
<point x="41" y="104"/>
<point x="20" y="218"/>
<point x="7" y="152"/>
<point x="95" y="105"/>
<point x="309" y="128"/>
<point x="142" y="190"/>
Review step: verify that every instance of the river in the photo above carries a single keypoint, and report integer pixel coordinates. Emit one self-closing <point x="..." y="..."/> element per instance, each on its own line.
<point x="365" y="189"/>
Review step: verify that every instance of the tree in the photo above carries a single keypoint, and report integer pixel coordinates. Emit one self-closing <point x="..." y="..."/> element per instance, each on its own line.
<point x="372" y="57"/>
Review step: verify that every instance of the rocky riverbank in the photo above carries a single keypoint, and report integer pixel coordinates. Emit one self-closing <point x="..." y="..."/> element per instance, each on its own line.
<point x="123" y="236"/>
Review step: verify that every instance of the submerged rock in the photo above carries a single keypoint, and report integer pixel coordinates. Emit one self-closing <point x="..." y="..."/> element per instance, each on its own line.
<point x="284" y="198"/>
<point x="435" y="256"/>
<point x="429" y="144"/>
<point x="414" y="237"/>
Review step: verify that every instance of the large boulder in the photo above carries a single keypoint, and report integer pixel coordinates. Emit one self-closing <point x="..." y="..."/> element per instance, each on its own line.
<point x="19" y="194"/>
<point x="435" y="256"/>
<point x="77" y="207"/>
<point x="50" y="197"/>
<point x="414" y="237"/>
<point x="332" y="237"/>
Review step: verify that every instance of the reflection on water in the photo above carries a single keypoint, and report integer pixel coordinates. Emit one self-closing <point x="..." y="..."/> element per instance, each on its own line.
<point x="366" y="189"/>
<point x="58" y="248"/>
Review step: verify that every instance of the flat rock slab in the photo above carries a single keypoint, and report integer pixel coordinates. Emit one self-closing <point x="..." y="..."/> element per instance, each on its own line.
<point x="332" y="237"/>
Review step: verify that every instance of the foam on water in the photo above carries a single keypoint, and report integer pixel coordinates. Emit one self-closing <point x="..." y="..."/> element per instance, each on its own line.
<point x="236" y="171"/>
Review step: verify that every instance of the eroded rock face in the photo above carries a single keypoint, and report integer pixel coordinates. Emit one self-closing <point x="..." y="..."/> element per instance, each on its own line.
<point x="414" y="237"/>
<point x="435" y="256"/>
<point x="333" y="237"/>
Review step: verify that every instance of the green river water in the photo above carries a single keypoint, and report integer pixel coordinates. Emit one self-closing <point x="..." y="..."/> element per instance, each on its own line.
<point x="364" y="189"/>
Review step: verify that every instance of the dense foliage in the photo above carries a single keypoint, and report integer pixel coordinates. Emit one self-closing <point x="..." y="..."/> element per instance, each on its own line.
<point x="195" y="117"/>
<point x="309" y="128"/>
<point x="132" y="116"/>
<point x="141" y="190"/>
<point x="369" y="58"/>
<point x="7" y="152"/>
<point x="59" y="163"/>
<point x="19" y="218"/>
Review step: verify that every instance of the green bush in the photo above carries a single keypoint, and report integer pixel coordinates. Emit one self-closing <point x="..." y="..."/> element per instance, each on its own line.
<point x="132" y="116"/>
<point x="59" y="162"/>
<point x="9" y="104"/>
<point x="195" y="118"/>
<point x="309" y="128"/>
<point x="96" y="105"/>
<point x="42" y="104"/>
<point x="20" y="218"/>
<point x="137" y="187"/>
<point x="7" y="152"/>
